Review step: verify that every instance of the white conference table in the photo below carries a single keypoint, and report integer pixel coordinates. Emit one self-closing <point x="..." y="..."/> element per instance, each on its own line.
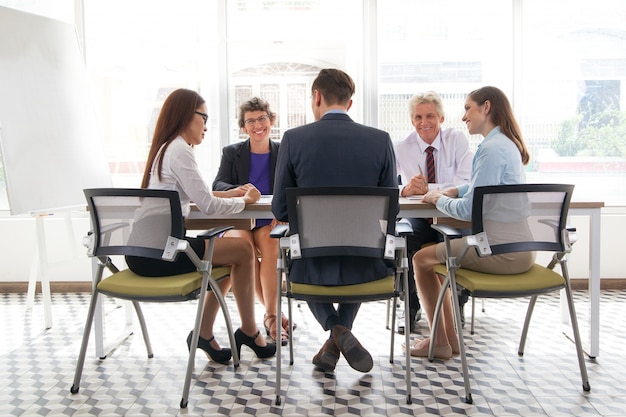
<point x="408" y="208"/>
<point x="416" y="208"/>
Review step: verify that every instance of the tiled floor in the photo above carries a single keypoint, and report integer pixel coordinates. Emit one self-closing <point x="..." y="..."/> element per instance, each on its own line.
<point x="37" y="366"/>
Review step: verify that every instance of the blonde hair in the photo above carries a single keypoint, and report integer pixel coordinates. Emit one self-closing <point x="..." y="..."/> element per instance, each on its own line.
<point x="427" y="97"/>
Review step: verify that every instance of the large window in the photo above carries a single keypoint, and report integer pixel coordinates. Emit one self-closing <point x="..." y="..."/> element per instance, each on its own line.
<point x="562" y="65"/>
<point x="561" y="62"/>
<point x="276" y="48"/>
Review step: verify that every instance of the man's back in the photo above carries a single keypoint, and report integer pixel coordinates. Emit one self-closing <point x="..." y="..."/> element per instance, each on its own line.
<point x="335" y="151"/>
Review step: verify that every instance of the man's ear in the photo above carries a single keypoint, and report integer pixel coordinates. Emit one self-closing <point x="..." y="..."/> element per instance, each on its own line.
<point x="317" y="98"/>
<point x="349" y="105"/>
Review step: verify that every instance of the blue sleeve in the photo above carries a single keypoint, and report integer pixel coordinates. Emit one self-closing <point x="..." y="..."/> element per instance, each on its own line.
<point x="462" y="189"/>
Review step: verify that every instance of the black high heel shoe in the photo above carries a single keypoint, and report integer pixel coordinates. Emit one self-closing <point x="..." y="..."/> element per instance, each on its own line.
<point x="221" y="356"/>
<point x="261" y="351"/>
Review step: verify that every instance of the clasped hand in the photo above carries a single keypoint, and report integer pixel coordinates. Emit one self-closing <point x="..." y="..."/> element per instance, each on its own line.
<point x="248" y="191"/>
<point x="433" y="195"/>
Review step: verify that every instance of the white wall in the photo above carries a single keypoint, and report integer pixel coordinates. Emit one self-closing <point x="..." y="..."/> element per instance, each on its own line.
<point x="68" y="260"/>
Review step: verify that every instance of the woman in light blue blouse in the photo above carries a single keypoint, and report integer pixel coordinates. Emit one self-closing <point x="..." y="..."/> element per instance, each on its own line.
<point x="499" y="159"/>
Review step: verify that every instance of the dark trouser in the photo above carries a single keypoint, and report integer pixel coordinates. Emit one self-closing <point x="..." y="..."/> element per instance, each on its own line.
<point x="422" y="235"/>
<point x="328" y="316"/>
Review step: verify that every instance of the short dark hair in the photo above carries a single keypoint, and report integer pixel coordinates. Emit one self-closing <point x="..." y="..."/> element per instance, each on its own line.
<point x="335" y="86"/>
<point x="255" y="104"/>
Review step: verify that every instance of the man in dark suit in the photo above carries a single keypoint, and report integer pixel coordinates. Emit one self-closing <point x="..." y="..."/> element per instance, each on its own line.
<point x="334" y="151"/>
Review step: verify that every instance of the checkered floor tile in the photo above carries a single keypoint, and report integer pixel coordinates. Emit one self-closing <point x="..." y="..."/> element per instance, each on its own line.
<point x="37" y="366"/>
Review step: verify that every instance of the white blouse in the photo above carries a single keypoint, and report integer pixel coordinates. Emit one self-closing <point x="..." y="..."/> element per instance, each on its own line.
<point x="180" y="172"/>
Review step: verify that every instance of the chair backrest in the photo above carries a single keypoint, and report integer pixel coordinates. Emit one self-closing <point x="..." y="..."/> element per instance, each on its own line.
<point x="133" y="222"/>
<point x="523" y="217"/>
<point x="342" y="221"/>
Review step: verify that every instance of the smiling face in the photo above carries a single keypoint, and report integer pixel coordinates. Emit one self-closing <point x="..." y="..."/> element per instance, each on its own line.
<point x="476" y="117"/>
<point x="194" y="132"/>
<point x="257" y="125"/>
<point x="426" y="121"/>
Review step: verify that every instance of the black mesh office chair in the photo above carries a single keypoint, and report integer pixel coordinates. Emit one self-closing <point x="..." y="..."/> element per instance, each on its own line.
<point x="336" y="221"/>
<point x="147" y="223"/>
<point x="507" y="219"/>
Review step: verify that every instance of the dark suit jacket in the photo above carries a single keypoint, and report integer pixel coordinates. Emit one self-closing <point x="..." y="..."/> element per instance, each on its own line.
<point x="334" y="151"/>
<point x="234" y="168"/>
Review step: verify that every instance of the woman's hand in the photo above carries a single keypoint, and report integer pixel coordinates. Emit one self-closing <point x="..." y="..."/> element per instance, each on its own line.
<point x="275" y="222"/>
<point x="237" y="192"/>
<point x="432" y="196"/>
<point x="252" y="194"/>
<point x="451" y="192"/>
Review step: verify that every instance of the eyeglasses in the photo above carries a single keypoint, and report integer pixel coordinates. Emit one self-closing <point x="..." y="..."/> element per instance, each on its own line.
<point x="252" y="122"/>
<point x="204" y="116"/>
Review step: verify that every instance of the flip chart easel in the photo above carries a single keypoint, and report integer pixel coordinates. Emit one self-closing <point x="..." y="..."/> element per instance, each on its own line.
<point x="49" y="136"/>
<point x="40" y="264"/>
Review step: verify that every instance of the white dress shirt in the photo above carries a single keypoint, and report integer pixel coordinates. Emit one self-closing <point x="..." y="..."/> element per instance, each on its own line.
<point x="453" y="158"/>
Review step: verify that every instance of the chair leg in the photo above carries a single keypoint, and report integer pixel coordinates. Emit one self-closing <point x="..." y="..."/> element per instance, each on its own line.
<point x="194" y="342"/>
<point x="393" y="325"/>
<point x="290" y="312"/>
<point x="575" y="330"/>
<point x="459" y="332"/>
<point x="279" y="291"/>
<point x="387" y="315"/>
<point x="436" y="317"/>
<point x="144" y="328"/>
<point x="407" y="338"/>
<point x="83" y="346"/>
<point x="229" y="324"/>
<point x="207" y="281"/>
<point x="473" y="314"/>
<point x="529" y="312"/>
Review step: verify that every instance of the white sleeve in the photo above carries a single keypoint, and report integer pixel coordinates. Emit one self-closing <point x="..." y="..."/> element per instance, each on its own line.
<point x="185" y="170"/>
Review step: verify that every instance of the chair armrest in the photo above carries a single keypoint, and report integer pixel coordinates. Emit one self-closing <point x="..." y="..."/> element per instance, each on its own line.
<point x="403" y="228"/>
<point x="571" y="230"/>
<point x="88" y="241"/>
<point x="447" y="231"/>
<point x="573" y="236"/>
<point x="279" y="230"/>
<point x="211" y="233"/>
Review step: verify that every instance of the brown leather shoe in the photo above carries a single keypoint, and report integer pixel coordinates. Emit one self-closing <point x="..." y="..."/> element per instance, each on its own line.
<point x="326" y="359"/>
<point x="356" y="355"/>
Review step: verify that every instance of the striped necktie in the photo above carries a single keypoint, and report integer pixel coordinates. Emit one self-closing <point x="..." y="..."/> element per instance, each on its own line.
<point x="430" y="165"/>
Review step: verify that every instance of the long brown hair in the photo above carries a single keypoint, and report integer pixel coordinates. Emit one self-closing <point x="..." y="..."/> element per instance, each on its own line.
<point x="177" y="112"/>
<point x="502" y="115"/>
